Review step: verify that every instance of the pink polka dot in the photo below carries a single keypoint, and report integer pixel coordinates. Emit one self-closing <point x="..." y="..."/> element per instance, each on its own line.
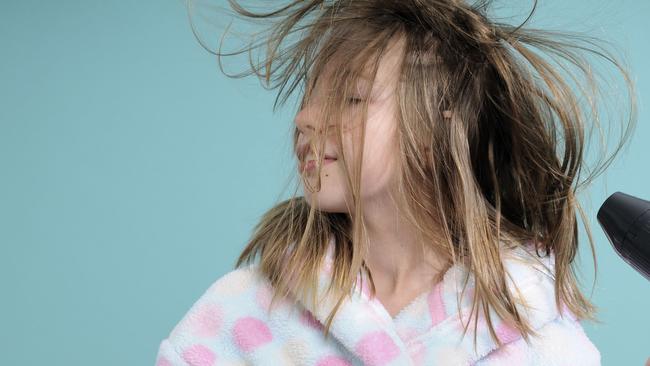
<point x="309" y="320"/>
<point x="207" y="321"/>
<point x="507" y="333"/>
<point x="250" y="333"/>
<point x="162" y="361"/>
<point x="333" y="361"/>
<point x="376" y="348"/>
<point x="199" y="355"/>
<point x="436" y="305"/>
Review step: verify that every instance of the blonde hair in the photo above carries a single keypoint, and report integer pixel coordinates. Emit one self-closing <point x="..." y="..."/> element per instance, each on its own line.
<point x="490" y="133"/>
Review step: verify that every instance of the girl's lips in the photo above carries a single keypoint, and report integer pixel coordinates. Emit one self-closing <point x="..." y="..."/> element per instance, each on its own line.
<point x="311" y="164"/>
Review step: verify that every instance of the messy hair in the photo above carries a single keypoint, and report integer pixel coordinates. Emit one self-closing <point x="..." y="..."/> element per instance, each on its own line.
<point x="492" y="125"/>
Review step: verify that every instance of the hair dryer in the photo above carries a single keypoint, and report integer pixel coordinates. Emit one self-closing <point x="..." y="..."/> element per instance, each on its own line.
<point x="626" y="221"/>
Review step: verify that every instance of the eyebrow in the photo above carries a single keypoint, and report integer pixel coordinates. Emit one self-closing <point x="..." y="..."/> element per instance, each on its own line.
<point x="376" y="85"/>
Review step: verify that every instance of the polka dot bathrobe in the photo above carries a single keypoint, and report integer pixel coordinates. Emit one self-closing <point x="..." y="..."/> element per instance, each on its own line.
<point x="230" y="325"/>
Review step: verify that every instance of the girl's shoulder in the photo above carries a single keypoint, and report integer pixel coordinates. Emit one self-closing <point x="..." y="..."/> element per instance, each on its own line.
<point x="232" y="291"/>
<point x="238" y="283"/>
<point x="234" y="323"/>
<point x="232" y="303"/>
<point x="528" y="277"/>
<point x="560" y="339"/>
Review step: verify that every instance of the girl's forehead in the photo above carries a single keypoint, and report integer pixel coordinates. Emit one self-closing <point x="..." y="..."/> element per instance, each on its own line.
<point x="385" y="79"/>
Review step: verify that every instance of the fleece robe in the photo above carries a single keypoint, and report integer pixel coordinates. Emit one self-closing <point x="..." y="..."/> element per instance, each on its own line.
<point x="230" y="324"/>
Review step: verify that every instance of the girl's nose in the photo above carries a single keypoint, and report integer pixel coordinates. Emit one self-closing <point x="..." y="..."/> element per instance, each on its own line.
<point x="306" y="119"/>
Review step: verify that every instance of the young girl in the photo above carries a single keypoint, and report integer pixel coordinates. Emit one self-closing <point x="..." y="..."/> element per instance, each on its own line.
<point x="439" y="156"/>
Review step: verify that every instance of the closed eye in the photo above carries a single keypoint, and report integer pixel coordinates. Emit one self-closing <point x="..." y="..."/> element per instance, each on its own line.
<point x="355" y="100"/>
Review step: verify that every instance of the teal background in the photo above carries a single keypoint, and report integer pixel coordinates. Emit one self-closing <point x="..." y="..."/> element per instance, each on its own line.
<point x="132" y="172"/>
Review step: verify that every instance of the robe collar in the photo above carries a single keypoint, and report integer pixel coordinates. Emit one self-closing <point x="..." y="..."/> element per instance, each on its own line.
<point x="365" y="328"/>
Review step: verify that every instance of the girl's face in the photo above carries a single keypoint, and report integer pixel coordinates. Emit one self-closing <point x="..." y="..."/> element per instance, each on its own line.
<point x="379" y="150"/>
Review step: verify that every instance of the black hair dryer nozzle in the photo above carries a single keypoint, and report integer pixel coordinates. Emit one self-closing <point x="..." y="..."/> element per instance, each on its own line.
<point x="626" y="221"/>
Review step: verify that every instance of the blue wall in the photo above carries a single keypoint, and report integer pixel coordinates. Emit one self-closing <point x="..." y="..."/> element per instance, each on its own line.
<point x="132" y="172"/>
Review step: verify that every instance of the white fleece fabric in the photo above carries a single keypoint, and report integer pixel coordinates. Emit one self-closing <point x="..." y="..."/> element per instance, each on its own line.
<point x="230" y="325"/>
